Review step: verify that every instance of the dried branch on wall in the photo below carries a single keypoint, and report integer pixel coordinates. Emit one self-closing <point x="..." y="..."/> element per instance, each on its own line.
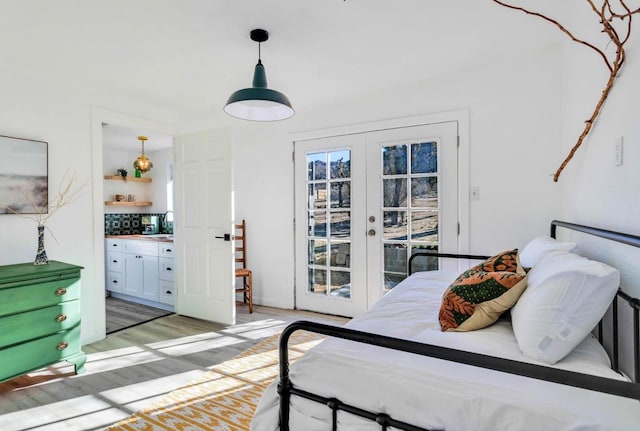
<point x="616" y="21"/>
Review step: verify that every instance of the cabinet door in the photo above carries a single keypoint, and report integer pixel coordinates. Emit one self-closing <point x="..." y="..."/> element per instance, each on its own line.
<point x="150" y="278"/>
<point x="141" y="276"/>
<point x="133" y="275"/>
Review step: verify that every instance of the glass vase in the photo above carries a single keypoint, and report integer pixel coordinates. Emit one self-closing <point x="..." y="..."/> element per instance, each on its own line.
<point x="41" y="254"/>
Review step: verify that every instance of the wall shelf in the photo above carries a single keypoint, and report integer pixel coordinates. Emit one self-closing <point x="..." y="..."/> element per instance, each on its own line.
<point x="120" y="178"/>
<point x="128" y="204"/>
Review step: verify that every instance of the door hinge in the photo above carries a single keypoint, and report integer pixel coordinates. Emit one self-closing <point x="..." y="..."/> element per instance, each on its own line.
<point x="458" y="138"/>
<point x="458" y="228"/>
<point x="293" y="156"/>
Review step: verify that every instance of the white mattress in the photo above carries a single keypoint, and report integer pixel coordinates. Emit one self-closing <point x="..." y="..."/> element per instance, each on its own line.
<point x="432" y="393"/>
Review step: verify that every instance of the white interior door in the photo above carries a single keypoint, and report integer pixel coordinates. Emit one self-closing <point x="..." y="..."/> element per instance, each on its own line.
<point x="363" y="202"/>
<point x="203" y="219"/>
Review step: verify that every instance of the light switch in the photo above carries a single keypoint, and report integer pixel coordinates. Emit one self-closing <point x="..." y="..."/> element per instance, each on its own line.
<point x="619" y="151"/>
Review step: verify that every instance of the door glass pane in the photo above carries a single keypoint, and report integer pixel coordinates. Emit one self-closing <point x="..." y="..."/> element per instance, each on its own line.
<point x="317" y="223"/>
<point x="317" y="280"/>
<point x="424" y="226"/>
<point x="394" y="192"/>
<point x="424" y="192"/>
<point x="317" y="166"/>
<point x="410" y="205"/>
<point x="341" y="254"/>
<point x="394" y="160"/>
<point x="424" y="158"/>
<point x="340" y="194"/>
<point x="340" y="224"/>
<point x="340" y="284"/>
<point x="317" y="252"/>
<point x="317" y="195"/>
<point x="395" y="225"/>
<point x="340" y="164"/>
<point x="329" y="245"/>
<point x="424" y="263"/>
<point x="395" y="264"/>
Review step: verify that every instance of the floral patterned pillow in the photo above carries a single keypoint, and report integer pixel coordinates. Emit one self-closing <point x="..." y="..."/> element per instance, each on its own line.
<point x="506" y="261"/>
<point x="477" y="298"/>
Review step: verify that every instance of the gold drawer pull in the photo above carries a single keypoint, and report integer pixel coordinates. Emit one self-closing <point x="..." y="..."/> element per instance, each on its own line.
<point x="61" y="291"/>
<point x="61" y="318"/>
<point x="62" y="345"/>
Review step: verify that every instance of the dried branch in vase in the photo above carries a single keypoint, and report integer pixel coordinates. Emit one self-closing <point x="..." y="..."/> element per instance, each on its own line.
<point x="616" y="23"/>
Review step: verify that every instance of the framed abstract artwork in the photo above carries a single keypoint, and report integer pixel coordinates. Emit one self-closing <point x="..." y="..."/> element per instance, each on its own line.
<point x="24" y="182"/>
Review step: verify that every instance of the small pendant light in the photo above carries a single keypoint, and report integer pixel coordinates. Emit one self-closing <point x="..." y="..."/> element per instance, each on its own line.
<point x="142" y="163"/>
<point x="259" y="103"/>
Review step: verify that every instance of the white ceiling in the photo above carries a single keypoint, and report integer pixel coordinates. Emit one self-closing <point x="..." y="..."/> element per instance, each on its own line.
<point x="188" y="56"/>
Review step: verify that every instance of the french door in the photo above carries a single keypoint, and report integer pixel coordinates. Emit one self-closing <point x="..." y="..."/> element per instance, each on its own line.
<point x="364" y="203"/>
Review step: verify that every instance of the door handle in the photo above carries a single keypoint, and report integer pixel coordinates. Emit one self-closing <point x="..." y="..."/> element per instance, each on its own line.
<point x="371" y="232"/>
<point x="226" y="237"/>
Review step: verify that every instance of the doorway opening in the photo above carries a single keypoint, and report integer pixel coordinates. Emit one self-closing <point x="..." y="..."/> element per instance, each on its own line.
<point x="138" y="226"/>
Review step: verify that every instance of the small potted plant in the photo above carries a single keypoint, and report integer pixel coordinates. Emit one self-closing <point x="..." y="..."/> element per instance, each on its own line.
<point x="123" y="173"/>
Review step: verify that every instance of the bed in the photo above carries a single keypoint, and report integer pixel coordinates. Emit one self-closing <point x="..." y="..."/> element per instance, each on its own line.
<point x="394" y="368"/>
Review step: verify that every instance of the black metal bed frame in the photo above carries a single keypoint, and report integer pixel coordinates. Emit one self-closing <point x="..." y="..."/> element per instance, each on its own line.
<point x="585" y="381"/>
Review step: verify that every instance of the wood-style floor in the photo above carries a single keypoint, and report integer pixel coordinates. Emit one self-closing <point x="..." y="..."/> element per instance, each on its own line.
<point x="124" y="314"/>
<point x="132" y="367"/>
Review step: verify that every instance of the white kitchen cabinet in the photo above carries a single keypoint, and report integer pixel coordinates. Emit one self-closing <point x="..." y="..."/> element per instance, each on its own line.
<point x="141" y="271"/>
<point x="113" y="251"/>
<point x="166" y="274"/>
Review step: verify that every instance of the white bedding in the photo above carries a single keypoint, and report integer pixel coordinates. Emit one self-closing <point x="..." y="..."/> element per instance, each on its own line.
<point x="437" y="394"/>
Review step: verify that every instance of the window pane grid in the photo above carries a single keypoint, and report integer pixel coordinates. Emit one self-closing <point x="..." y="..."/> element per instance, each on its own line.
<point x="411" y="205"/>
<point x="329" y="223"/>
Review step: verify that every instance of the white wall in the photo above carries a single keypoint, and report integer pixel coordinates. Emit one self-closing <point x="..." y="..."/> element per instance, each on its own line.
<point x="595" y="190"/>
<point x="155" y="192"/>
<point x="514" y="107"/>
<point x="61" y="116"/>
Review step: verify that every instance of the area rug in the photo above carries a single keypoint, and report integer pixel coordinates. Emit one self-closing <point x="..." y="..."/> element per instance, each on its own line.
<point x="224" y="398"/>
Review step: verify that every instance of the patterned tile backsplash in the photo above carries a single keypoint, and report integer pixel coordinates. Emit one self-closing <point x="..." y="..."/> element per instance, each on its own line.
<point x="131" y="224"/>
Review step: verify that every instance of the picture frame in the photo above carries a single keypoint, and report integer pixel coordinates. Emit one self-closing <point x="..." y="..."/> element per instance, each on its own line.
<point x="24" y="176"/>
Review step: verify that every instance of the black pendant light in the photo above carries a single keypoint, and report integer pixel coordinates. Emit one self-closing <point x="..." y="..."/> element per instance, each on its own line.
<point x="259" y="103"/>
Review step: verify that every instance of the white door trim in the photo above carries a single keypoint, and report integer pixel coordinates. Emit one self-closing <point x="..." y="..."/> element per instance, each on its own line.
<point x="93" y="312"/>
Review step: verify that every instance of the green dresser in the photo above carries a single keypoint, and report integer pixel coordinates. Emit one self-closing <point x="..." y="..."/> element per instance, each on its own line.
<point x="39" y="317"/>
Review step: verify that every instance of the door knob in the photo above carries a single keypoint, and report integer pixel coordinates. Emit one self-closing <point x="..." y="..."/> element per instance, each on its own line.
<point x="371" y="232"/>
<point x="372" y="219"/>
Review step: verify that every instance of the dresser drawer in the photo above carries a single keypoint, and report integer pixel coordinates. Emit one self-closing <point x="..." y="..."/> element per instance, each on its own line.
<point x="19" y="359"/>
<point x="115" y="282"/>
<point x="167" y="292"/>
<point x="167" y="250"/>
<point x="114" y="262"/>
<point x="113" y="244"/>
<point x="38" y="323"/>
<point x="23" y="298"/>
<point x="166" y="269"/>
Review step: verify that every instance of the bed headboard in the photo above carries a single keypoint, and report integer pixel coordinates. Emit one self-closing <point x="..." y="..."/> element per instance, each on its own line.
<point x="634" y="303"/>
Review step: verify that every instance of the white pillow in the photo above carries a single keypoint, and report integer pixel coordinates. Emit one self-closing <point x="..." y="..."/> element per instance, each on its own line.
<point x="565" y="298"/>
<point x="539" y="247"/>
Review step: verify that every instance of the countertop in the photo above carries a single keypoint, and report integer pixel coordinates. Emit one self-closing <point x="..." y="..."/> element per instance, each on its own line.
<point x="162" y="237"/>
